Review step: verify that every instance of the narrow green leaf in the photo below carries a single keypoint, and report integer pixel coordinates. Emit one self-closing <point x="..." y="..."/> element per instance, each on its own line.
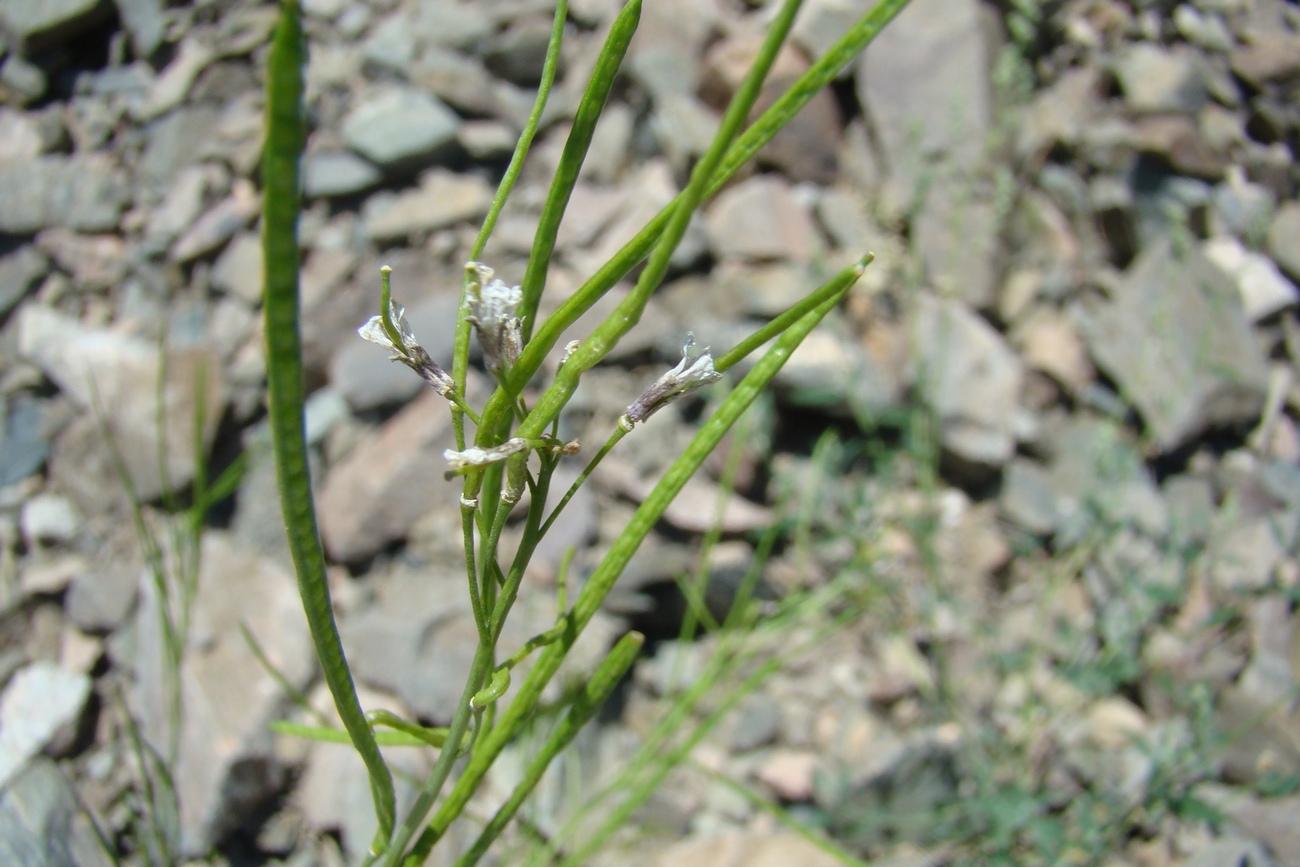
<point x="460" y="362"/>
<point x="329" y="735"/>
<point x="281" y="204"/>
<point x="575" y="151"/>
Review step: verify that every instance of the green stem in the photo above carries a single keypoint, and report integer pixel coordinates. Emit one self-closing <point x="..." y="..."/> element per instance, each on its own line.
<point x="480" y="668"/>
<point x="286" y="135"/>
<point x="836" y="285"/>
<point x="576" y="145"/>
<point x="752" y="140"/>
<point x="584" y="707"/>
<point x="603" y="578"/>
<point x="618" y="434"/>
<point x="460" y="350"/>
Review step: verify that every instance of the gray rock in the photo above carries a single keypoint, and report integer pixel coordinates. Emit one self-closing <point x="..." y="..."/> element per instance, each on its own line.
<point x="49" y="518"/>
<point x="696" y="508"/>
<point x="805" y="149"/>
<point x="1176" y="341"/>
<point x="1241" y="207"/>
<point x="518" y="52"/>
<point x="956" y="231"/>
<point x="24" y="448"/>
<point x="1026" y="499"/>
<point x="834" y="375"/>
<point x="36" y="25"/>
<point x="1281" y="479"/>
<point x="1264" y="289"/>
<point x="453" y="23"/>
<point x="367" y="378"/>
<point x="970" y="376"/>
<point x="459" y="80"/>
<point x="1190" y="503"/>
<point x="101" y="597"/>
<point x="1245" y="551"/>
<point x="761" y="218"/>
<point x="925" y="82"/>
<point x="327" y="9"/>
<point x="486" y="140"/>
<point x="400" y="129"/>
<point x="146" y="21"/>
<point x="95" y="262"/>
<point x="757" y="724"/>
<point x="1204" y="29"/>
<point x="181" y="205"/>
<point x="1061" y="112"/>
<point x="331" y="175"/>
<point x="121" y="374"/>
<point x="1155" y="79"/>
<point x="442" y="200"/>
<point x="41" y="699"/>
<point x="20" y="137"/>
<point x="610" y="145"/>
<point x="1272" y="822"/>
<point x="84" y="192"/>
<point x="1096" y="472"/>
<point x="174" y="141"/>
<point x="822" y="23"/>
<point x="683" y="127"/>
<point x="1284" y="238"/>
<point x="390" y="480"/>
<point x="392" y="43"/>
<point x="226" y="765"/>
<point x="218" y="224"/>
<point x="1267" y="55"/>
<point x="238" y="271"/>
<point x="20" y="81"/>
<point x="171" y="86"/>
<point x="323" y="411"/>
<point x="417" y="641"/>
<point x="672" y="35"/>
<point x="1270" y="677"/>
<point x="1229" y="851"/>
<point x="36" y="819"/>
<point x="20" y="271"/>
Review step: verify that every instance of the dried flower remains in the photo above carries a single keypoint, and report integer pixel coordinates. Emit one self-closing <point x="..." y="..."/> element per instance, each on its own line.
<point x="492" y="305"/>
<point x="406" y="348"/>
<point x="694" y="371"/>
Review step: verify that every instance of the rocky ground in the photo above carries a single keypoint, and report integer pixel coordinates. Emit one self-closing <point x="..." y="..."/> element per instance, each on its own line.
<point x="1036" y="486"/>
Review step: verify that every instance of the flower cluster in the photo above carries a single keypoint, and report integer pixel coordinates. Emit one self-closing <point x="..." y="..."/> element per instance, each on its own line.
<point x="490" y="307"/>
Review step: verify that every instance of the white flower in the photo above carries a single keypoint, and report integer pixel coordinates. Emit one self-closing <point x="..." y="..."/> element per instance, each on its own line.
<point x="477" y="457"/>
<point x="409" y="352"/>
<point x="492" y="306"/>
<point x="375" y="332"/>
<point x="692" y="372"/>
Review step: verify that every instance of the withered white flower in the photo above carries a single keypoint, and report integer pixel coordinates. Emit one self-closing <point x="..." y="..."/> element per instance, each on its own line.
<point x="478" y="457"/>
<point x="492" y="306"/>
<point x="410" y="352"/>
<point x="692" y="372"/>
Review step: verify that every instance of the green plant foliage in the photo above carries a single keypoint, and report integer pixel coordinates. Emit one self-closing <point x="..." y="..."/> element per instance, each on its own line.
<point x="514" y="447"/>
